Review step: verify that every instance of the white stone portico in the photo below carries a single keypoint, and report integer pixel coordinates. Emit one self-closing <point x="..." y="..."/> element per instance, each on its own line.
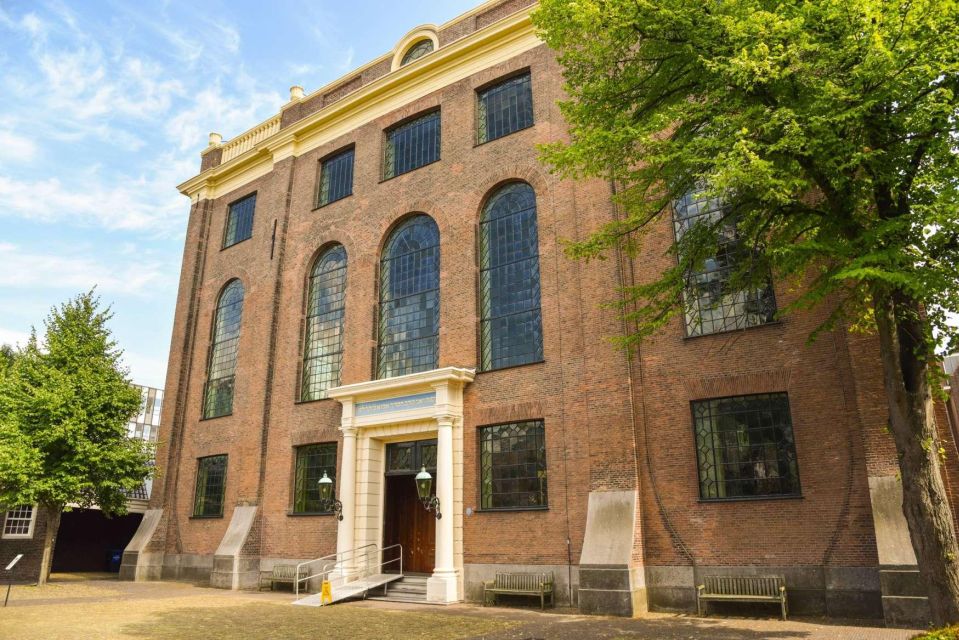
<point x="417" y="406"/>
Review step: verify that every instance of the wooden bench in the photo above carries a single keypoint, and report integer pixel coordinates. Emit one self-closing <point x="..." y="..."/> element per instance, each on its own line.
<point x="520" y="584"/>
<point x="282" y="574"/>
<point x="741" y="589"/>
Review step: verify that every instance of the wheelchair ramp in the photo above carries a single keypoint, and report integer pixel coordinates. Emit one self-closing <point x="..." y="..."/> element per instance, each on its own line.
<point x="355" y="589"/>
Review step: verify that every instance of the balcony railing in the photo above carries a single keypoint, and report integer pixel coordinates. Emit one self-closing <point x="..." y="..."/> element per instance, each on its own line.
<point x="249" y="139"/>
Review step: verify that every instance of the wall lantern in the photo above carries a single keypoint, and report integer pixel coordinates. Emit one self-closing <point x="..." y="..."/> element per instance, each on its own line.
<point x="424" y="487"/>
<point x="327" y="501"/>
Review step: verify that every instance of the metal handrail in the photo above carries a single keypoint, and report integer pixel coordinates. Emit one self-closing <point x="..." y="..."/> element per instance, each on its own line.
<point x="367" y="551"/>
<point x="333" y="556"/>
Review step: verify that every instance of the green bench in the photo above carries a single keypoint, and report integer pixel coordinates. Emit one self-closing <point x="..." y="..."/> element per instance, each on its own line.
<point x="741" y="589"/>
<point x="282" y="574"/>
<point x="520" y="584"/>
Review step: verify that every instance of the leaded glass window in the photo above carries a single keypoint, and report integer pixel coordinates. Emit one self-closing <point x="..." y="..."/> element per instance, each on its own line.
<point x="412" y="145"/>
<point x="504" y="108"/>
<point x="745" y="447"/>
<point x="312" y="461"/>
<point x="218" y="392"/>
<point x="417" y="51"/>
<point x="210" y="486"/>
<point x="513" y="466"/>
<point x="19" y="522"/>
<point x="511" y="328"/>
<point x="712" y="304"/>
<point x="409" y="457"/>
<point x="336" y="178"/>
<point x="409" y="312"/>
<point x="239" y="222"/>
<point x="323" y="346"/>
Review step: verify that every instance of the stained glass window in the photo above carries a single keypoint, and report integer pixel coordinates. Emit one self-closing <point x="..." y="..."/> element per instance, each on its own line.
<point x="409" y="311"/>
<point x="712" y="304"/>
<point x="511" y="321"/>
<point x="417" y="51"/>
<point x="323" y="346"/>
<point x="513" y="466"/>
<point x="336" y="178"/>
<point x="312" y="461"/>
<point x="745" y="447"/>
<point x="210" y="486"/>
<point x="218" y="393"/>
<point x="19" y="522"/>
<point x="504" y="108"/>
<point x="412" y="145"/>
<point x="239" y="223"/>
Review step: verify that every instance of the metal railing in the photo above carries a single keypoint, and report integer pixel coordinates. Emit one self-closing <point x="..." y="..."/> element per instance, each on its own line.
<point x="360" y="561"/>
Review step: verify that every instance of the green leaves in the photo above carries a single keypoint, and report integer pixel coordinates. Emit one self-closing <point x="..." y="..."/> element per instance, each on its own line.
<point x="64" y="410"/>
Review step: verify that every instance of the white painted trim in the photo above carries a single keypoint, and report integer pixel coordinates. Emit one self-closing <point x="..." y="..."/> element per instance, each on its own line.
<point x="425" y="32"/>
<point x="19" y="536"/>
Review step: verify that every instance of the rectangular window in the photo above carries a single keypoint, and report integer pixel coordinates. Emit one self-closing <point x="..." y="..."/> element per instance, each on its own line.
<point x="239" y="221"/>
<point x="712" y="304"/>
<point x="745" y="447"/>
<point x="504" y="108"/>
<point x="336" y="178"/>
<point x="312" y="461"/>
<point x="19" y="522"/>
<point x="210" y="486"/>
<point x="513" y="466"/>
<point x="412" y="145"/>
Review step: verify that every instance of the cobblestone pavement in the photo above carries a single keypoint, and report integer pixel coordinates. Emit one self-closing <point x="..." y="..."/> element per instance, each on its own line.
<point x="106" y="608"/>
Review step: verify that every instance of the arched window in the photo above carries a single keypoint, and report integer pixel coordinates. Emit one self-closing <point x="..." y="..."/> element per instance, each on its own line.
<point x="218" y="394"/>
<point x="417" y="51"/>
<point x="511" y="326"/>
<point x="323" y="347"/>
<point x="409" y="319"/>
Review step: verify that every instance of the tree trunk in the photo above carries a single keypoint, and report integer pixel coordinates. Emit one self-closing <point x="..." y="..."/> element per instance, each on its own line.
<point x="52" y="514"/>
<point x="911" y="420"/>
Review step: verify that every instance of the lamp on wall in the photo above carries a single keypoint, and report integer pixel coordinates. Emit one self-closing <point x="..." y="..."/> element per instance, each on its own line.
<point x="424" y="487"/>
<point x="327" y="501"/>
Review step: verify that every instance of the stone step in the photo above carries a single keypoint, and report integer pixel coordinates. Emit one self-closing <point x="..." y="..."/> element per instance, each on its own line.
<point x="396" y="597"/>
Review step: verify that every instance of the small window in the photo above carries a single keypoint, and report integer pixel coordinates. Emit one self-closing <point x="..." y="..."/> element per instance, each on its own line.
<point x="19" y="522"/>
<point x="745" y="447"/>
<point x="513" y="466"/>
<point x="504" y="108"/>
<point x="412" y="145"/>
<point x="210" y="486"/>
<point x="417" y="51"/>
<point x="239" y="223"/>
<point x="312" y="461"/>
<point x="336" y="178"/>
<point x="712" y="305"/>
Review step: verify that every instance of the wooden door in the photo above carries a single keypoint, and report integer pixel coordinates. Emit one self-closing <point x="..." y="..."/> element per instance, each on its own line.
<point x="406" y="522"/>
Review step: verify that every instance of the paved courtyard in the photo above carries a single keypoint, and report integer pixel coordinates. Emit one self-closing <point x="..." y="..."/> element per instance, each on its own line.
<point x="97" y="607"/>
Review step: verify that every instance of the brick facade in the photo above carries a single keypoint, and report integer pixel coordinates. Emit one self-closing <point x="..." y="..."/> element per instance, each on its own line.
<point x="615" y="422"/>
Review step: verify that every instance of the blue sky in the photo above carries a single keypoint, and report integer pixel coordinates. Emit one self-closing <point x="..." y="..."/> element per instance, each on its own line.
<point x="104" y="108"/>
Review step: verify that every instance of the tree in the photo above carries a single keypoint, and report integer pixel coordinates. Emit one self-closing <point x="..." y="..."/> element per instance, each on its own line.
<point x="828" y="131"/>
<point x="64" y="410"/>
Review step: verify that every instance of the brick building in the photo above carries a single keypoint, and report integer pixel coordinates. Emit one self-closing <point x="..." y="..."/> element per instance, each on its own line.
<point x="374" y="284"/>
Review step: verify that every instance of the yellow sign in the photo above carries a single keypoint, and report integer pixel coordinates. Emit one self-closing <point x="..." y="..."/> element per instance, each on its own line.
<point x="326" y="592"/>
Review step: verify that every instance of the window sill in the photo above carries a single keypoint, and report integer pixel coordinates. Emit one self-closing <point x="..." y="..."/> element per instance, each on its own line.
<point x="227" y="246"/>
<point x="774" y="323"/>
<point x="791" y="496"/>
<point x="311" y="401"/>
<point x="325" y="205"/>
<point x="307" y="514"/>
<point x="225" y="415"/>
<point x="512" y="366"/>
<point x="505" y="135"/>
<point x="195" y="517"/>
<point x="510" y="509"/>
<point x="13" y="536"/>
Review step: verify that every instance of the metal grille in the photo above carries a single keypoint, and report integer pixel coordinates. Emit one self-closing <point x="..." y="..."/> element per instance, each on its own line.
<point x="312" y="461"/>
<point x="336" y="178"/>
<point x="412" y="145"/>
<point x="417" y="51"/>
<point x="409" y="319"/>
<point x="210" y="486"/>
<point x="712" y="304"/>
<point x="19" y="522"/>
<point x="513" y="466"/>
<point x="745" y="447"/>
<point x="239" y="224"/>
<point x="218" y="393"/>
<point x="323" y="347"/>
<point x="511" y="324"/>
<point x="504" y="108"/>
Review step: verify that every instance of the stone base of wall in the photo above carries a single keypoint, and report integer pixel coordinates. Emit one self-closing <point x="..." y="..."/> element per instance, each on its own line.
<point x="841" y="592"/>
<point x="187" y="567"/>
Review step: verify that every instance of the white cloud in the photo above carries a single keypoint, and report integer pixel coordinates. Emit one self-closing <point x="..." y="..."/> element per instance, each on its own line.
<point x="15" y="148"/>
<point x="13" y="338"/>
